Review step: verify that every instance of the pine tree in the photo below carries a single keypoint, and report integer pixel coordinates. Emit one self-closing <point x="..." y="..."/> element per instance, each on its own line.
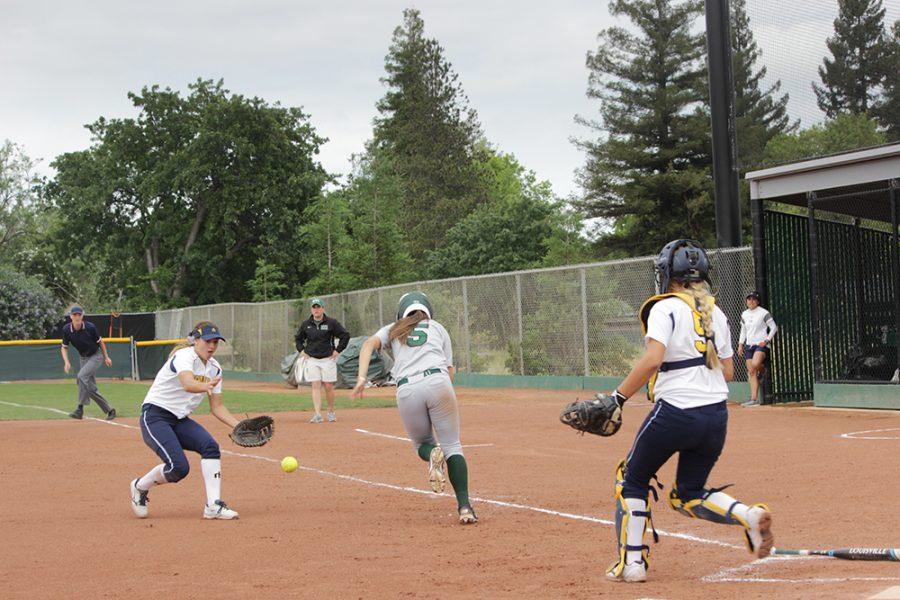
<point x="851" y="79"/>
<point x="888" y="109"/>
<point x="648" y="172"/>
<point x="326" y="242"/>
<point x="760" y="112"/>
<point x="430" y="133"/>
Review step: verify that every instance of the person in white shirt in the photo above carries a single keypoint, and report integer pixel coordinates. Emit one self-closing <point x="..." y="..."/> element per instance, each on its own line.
<point x="686" y="364"/>
<point x="190" y="374"/>
<point x="754" y="344"/>
<point x="423" y="369"/>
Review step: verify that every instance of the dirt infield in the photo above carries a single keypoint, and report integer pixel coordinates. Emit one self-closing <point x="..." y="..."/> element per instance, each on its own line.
<point x="356" y="520"/>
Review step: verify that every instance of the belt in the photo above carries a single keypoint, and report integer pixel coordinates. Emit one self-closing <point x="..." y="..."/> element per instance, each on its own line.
<point x="418" y="376"/>
<point x="682" y="364"/>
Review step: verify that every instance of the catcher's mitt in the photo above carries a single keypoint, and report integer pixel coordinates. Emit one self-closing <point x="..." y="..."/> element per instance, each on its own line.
<point x="600" y="416"/>
<point x="253" y="432"/>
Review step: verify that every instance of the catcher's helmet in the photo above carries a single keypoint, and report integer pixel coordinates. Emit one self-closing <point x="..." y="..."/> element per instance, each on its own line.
<point x="682" y="261"/>
<point x="413" y="301"/>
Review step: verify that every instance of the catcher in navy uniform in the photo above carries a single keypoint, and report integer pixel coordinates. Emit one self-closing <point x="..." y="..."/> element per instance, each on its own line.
<point x="686" y="364"/>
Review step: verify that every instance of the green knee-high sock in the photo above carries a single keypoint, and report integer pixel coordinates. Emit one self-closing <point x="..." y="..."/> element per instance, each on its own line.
<point x="425" y="451"/>
<point x="459" y="477"/>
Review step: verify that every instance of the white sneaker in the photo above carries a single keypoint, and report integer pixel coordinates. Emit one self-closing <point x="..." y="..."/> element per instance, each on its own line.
<point x="759" y="536"/>
<point x="436" y="470"/>
<point x="316" y="419"/>
<point x="219" y="510"/>
<point x="632" y="573"/>
<point x="332" y="417"/>
<point x="138" y="501"/>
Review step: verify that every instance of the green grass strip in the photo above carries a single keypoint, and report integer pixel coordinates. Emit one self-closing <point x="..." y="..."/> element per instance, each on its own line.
<point x="127" y="399"/>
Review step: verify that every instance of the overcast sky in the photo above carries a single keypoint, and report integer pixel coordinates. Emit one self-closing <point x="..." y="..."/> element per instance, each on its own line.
<point x="64" y="64"/>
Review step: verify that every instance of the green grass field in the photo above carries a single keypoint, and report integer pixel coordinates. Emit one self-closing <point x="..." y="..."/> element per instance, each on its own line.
<point x="127" y="398"/>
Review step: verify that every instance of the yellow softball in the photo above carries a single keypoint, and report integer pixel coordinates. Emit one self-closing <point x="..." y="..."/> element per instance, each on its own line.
<point x="288" y="464"/>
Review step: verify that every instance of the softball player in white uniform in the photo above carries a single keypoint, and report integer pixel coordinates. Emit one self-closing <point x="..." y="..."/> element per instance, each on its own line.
<point x="686" y="364"/>
<point x="423" y="369"/>
<point x="189" y="375"/>
<point x="757" y="330"/>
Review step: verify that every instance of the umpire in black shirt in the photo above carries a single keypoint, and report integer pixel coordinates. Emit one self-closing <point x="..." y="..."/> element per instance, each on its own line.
<point x="315" y="342"/>
<point x="91" y="352"/>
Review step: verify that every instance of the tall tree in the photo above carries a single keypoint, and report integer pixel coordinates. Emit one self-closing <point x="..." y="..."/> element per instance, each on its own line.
<point x="648" y="171"/>
<point x="327" y="244"/>
<point x="761" y="112"/>
<point x="888" y="109"/>
<point x="183" y="200"/>
<point x="380" y="252"/>
<point x="851" y="78"/>
<point x="18" y="200"/>
<point x="428" y="130"/>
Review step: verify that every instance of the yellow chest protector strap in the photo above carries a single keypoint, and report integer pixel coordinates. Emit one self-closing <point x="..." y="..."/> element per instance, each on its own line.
<point x="701" y="346"/>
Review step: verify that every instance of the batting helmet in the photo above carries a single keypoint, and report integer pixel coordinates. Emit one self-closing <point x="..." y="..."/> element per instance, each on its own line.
<point x="413" y="301"/>
<point x="682" y="261"/>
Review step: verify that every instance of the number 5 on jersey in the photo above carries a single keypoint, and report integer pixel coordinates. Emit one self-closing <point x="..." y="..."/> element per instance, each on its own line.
<point x="418" y="336"/>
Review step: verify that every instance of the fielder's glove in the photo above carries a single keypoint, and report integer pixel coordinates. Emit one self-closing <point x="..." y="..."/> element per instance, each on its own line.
<point x="253" y="432"/>
<point x="600" y="416"/>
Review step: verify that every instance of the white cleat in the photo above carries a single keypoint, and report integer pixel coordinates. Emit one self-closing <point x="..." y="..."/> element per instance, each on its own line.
<point x="436" y="470"/>
<point x="632" y="573"/>
<point x="467" y="515"/>
<point x="759" y="536"/>
<point x="219" y="510"/>
<point x="138" y="501"/>
<point x="332" y="418"/>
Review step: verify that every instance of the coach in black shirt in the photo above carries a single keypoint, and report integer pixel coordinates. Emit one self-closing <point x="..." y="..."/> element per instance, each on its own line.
<point x="315" y="342"/>
<point x="91" y="352"/>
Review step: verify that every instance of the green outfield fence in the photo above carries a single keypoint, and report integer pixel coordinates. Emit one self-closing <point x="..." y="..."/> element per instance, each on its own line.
<point x="22" y="360"/>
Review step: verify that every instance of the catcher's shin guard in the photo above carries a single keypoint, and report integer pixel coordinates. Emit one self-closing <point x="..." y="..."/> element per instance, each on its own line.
<point x="712" y="505"/>
<point x="632" y="518"/>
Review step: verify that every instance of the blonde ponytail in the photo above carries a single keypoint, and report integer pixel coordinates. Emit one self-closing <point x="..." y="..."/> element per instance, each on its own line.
<point x="401" y="329"/>
<point x="705" y="303"/>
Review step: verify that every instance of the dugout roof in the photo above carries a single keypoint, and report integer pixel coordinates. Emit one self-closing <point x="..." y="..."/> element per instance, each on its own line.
<point x="852" y="183"/>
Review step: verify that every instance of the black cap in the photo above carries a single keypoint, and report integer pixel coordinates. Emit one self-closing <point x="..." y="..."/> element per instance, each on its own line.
<point x="754" y="294"/>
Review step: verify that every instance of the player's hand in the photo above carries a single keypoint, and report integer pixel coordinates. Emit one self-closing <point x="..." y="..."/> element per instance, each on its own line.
<point x="334" y="355"/>
<point x="741" y="349"/>
<point x="212" y="385"/>
<point x="67" y="367"/>
<point x="762" y="344"/>
<point x="359" y="388"/>
<point x="108" y="361"/>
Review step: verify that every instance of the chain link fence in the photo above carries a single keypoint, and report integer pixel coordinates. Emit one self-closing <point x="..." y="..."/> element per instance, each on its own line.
<point x="573" y="320"/>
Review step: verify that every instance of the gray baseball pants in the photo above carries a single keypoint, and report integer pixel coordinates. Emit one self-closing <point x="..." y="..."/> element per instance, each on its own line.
<point x="87" y="382"/>
<point x="431" y="403"/>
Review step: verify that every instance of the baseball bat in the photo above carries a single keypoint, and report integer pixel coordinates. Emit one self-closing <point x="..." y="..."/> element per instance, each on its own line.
<point x="846" y="553"/>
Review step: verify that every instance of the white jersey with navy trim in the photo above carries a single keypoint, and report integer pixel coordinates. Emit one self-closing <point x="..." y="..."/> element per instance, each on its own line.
<point x="757" y="325"/>
<point x="427" y="347"/>
<point x="671" y="322"/>
<point x="167" y="392"/>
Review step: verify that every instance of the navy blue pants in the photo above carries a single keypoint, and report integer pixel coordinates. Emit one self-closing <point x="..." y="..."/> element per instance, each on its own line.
<point x="169" y="437"/>
<point x="696" y="434"/>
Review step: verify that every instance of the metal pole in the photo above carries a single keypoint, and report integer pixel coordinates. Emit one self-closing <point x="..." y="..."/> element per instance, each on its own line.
<point x="233" y="341"/>
<point x="465" y="294"/>
<point x="757" y="214"/>
<point x="519" y="319"/>
<point x="380" y="310"/>
<point x="724" y="137"/>
<point x="258" y="339"/>
<point x="895" y="263"/>
<point x="814" y="288"/>
<point x="584" y="322"/>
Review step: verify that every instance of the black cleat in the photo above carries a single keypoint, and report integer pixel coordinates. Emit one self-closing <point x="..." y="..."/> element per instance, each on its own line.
<point x="111" y="414"/>
<point x="78" y="413"/>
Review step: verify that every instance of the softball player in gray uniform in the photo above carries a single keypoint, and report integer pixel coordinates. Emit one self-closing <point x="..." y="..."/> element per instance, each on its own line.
<point x="423" y="369"/>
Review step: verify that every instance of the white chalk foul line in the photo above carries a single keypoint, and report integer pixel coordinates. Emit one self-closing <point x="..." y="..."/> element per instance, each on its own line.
<point x="855" y="435"/>
<point x="746" y="573"/>
<point x="412" y="490"/>
<point x="403" y="439"/>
